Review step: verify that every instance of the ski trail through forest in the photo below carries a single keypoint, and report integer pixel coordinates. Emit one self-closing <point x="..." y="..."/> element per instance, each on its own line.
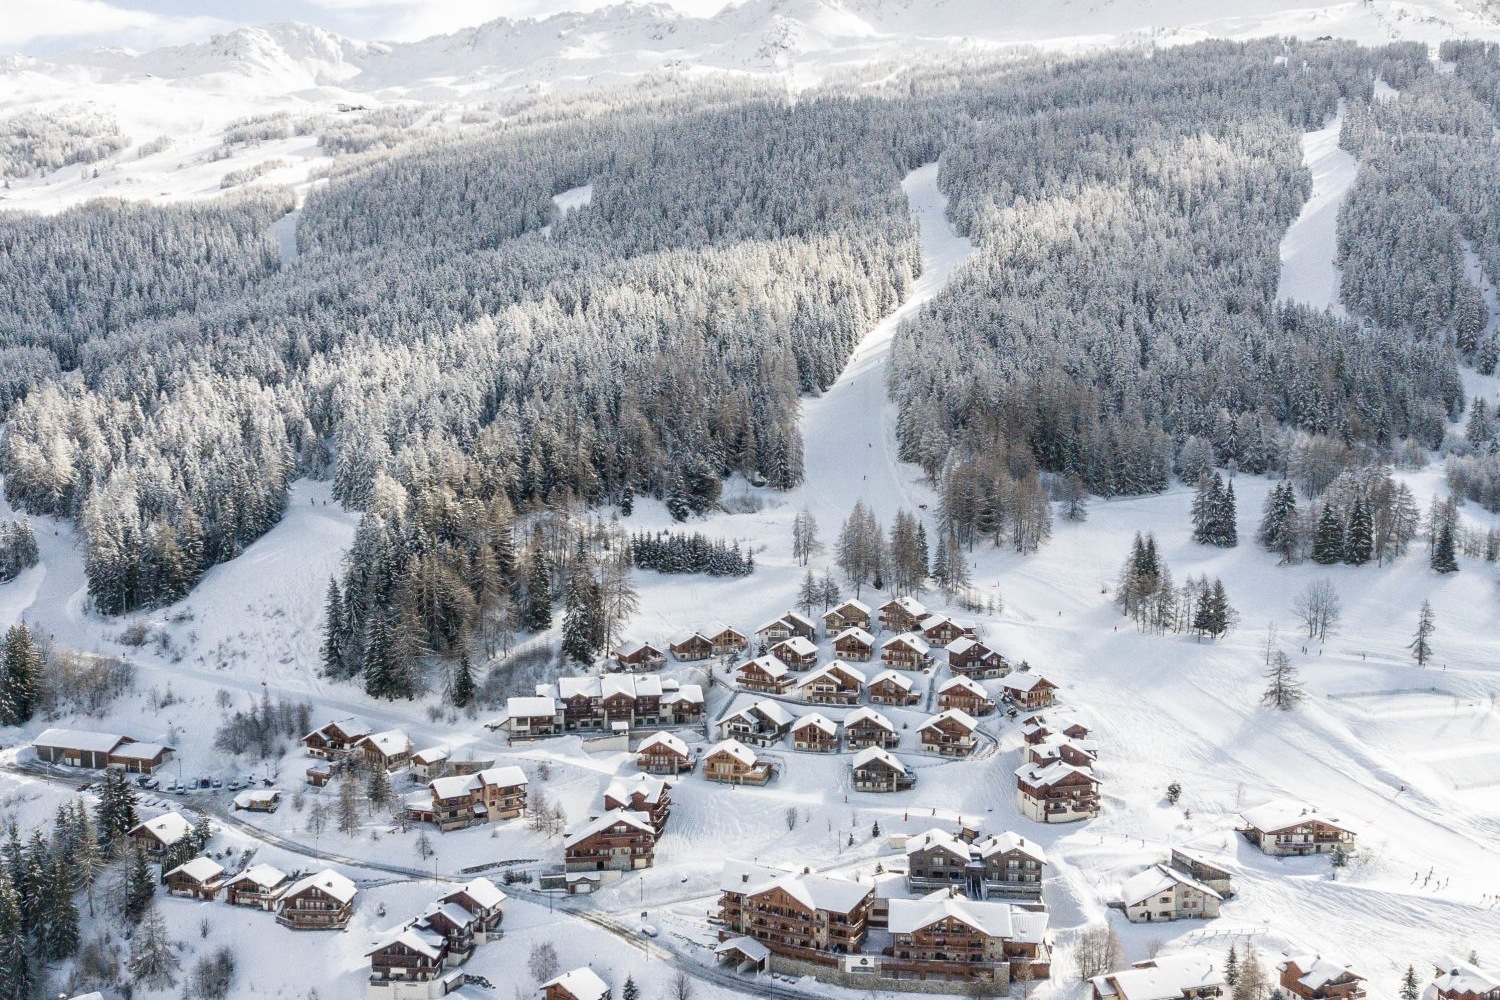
<point x="849" y="433"/>
<point x="1309" y="251"/>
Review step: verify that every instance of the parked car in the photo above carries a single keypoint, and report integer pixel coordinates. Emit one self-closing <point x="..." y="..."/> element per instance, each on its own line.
<point x="235" y="784"/>
<point x="218" y="783"/>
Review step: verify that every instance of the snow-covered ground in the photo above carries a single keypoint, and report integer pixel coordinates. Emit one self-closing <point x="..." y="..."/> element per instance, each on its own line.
<point x="1309" y="250"/>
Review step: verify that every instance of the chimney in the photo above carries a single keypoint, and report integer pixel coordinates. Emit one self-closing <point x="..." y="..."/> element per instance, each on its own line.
<point x="744" y="878"/>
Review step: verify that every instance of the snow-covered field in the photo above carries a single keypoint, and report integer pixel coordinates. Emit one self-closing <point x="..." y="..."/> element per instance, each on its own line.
<point x="1408" y="756"/>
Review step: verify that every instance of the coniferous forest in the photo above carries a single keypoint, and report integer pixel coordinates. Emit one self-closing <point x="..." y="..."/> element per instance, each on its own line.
<point x="463" y="363"/>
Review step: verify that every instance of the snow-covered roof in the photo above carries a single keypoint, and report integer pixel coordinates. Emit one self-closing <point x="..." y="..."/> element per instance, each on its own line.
<point x="773" y="711"/>
<point x="390" y="743"/>
<point x="973" y="687"/>
<point x="632" y="685"/>
<point x="961" y="645"/>
<point x="869" y="754"/>
<point x="1162" y="978"/>
<point x="623" y="789"/>
<point x="910" y="639"/>
<point x="797" y="646"/>
<point x="1318" y="972"/>
<point x="934" y="620"/>
<point x="632" y="648"/>
<point x="747" y="946"/>
<point x="798" y="618"/>
<point x="609" y="819"/>
<point x="256" y="796"/>
<point x="1004" y="843"/>
<point x="530" y="708"/>
<point x="168" y="828"/>
<point x="866" y="714"/>
<point x="422" y="942"/>
<point x="484" y="893"/>
<point x="894" y="677"/>
<point x="840" y="667"/>
<point x="818" y="721"/>
<point x="452" y="912"/>
<point x="770" y="665"/>
<point x="199" y="869"/>
<point x="581" y="984"/>
<point x="690" y="693"/>
<point x="140" y="751"/>
<point x="1024" y="682"/>
<point x="1281" y="814"/>
<point x="910" y="605"/>
<point x="957" y="715"/>
<point x="430" y="756"/>
<point x="665" y="740"/>
<point x="853" y="604"/>
<point x="775" y="623"/>
<point x="1462" y="977"/>
<point x="574" y="687"/>
<point x="941" y="839"/>
<point x="351" y="726"/>
<point x="857" y="634"/>
<point x="910" y="915"/>
<point x="454" y="785"/>
<point x="264" y="876"/>
<point x="334" y="884"/>
<point x="816" y="892"/>
<point x="1045" y="775"/>
<point x="735" y="749"/>
<point x="1157" y="879"/>
<point x="78" y="739"/>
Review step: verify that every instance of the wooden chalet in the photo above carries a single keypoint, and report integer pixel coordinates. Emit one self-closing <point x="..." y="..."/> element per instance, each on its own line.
<point x="321" y="773"/>
<point x="902" y="614"/>
<point x="579" y="984"/>
<point x="463" y="800"/>
<point x="808" y="917"/>
<point x="1284" y="828"/>
<point x="640" y="656"/>
<point x="950" y="733"/>
<point x="617" y="841"/>
<point x="730" y="762"/>
<point x="1079" y="753"/>
<point x="644" y="794"/>
<point x="797" y="652"/>
<point x="200" y="878"/>
<point x="907" y="651"/>
<point x="159" y="834"/>
<point x="774" y="631"/>
<point x="1161" y="893"/>
<point x="1012" y="865"/>
<point x="937" y="859"/>
<point x="265" y="800"/>
<point x="412" y="962"/>
<point x="875" y="770"/>
<point x="320" y="902"/>
<point x="968" y="657"/>
<point x="390" y="750"/>
<point x="802" y="626"/>
<point x="663" y="753"/>
<point x="336" y="739"/>
<point x="1056" y="793"/>
<point x="726" y="641"/>
<point x="1464" y="981"/>
<point x="762" y="724"/>
<point x="865" y="727"/>
<point x="834" y="683"/>
<point x="484" y="900"/>
<point x="1201" y="867"/>
<point x="1028" y="691"/>
<point x="259" y="886"/>
<point x="854" y="645"/>
<point x="454" y="924"/>
<point x="767" y="674"/>
<point x="947" y="937"/>
<point x="1313" y="977"/>
<point x="98" y="751"/>
<point x="695" y="647"/>
<point x="965" y="695"/>
<point x="1036" y="728"/>
<point x="815" y="733"/>
<point x="892" y="688"/>
<point x="849" y="614"/>
<point x="429" y="763"/>
<point x="601" y="702"/>
<point x="939" y="630"/>
<point x="1197" y="975"/>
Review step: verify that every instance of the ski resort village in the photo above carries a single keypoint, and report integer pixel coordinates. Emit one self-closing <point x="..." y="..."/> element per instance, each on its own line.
<point x="820" y="499"/>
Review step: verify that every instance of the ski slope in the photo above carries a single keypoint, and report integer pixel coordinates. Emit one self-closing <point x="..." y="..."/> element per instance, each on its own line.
<point x="1309" y="250"/>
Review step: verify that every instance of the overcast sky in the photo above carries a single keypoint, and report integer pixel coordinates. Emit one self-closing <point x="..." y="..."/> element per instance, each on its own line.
<point x="42" y="27"/>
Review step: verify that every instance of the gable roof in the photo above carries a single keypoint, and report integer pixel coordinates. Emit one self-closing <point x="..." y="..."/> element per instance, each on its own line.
<point x="962" y="645"/>
<point x="1461" y="977"/>
<point x="747" y="946"/>
<point x="351" y="726"/>
<point x="168" y="828"/>
<point x="256" y="796"/>
<point x="775" y="711"/>
<point x="894" y="677"/>
<point x="833" y="667"/>
<point x="960" y="681"/>
<point x="422" y="942"/>
<point x="816" y="720"/>
<point x="1046" y="775"/>
<point x="327" y="880"/>
<point x="910" y="915"/>
<point x="940" y="839"/>
<point x="1024" y="682"/>
<point x="390" y="743"/>
<point x="264" y="876"/>
<point x="199" y="869"/>
<point x="624" y="788"/>
<point x="1282" y="814"/>
<point x="798" y="646"/>
<point x="690" y="693"/>
<point x="665" y="740"/>
<point x="482" y="891"/>
<point x="867" y="714"/>
<point x="910" y="605"/>
<point x="1156" y="879"/>
<point x="430" y="756"/>
<point x="735" y="749"/>
<point x="454" y="785"/>
<point x="780" y="622"/>
<point x="857" y="634"/>
<point x="133" y="750"/>
<point x="853" y="604"/>
<point x="910" y="639"/>
<point x="78" y="739"/>
<point x="1318" y="972"/>
<point x="609" y="819"/>
<point x="582" y="984"/>
<point x="1004" y="843"/>
<point x="530" y="707"/>
<point x="817" y="892"/>
<point x="957" y="715"/>
<point x="1162" y="978"/>
<point x="870" y="755"/>
<point x="769" y="664"/>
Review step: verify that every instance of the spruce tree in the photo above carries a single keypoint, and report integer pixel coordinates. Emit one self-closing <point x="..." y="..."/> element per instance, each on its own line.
<point x="1283" y="689"/>
<point x="139" y="886"/>
<point x="463" y="683"/>
<point x="153" y="961"/>
<point x="1421" y="643"/>
<point x="1279" y="529"/>
<point x="807" y="596"/>
<point x="536" y="615"/>
<point x="334" y="651"/>
<point x="1411" y="989"/>
<point x="1359" y="542"/>
<point x="20" y="975"/>
<point x="1206" y="499"/>
<point x="1328" y="537"/>
<point x="20" y="677"/>
<point x="116" y="812"/>
<point x="630" y="990"/>
<point x="57" y="931"/>
<point x="582" y="617"/>
<point x="1444" y="559"/>
<point x="1232" y="968"/>
<point x="1226" y="518"/>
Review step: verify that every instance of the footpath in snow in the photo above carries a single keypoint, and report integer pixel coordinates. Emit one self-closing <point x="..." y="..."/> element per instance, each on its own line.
<point x="849" y="433"/>
<point x="1309" y="249"/>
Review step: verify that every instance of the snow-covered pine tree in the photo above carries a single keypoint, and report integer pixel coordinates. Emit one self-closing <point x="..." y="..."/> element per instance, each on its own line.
<point x="1280" y="525"/>
<point x="1421" y="643"/>
<point x="1283" y="688"/>
<point x="461" y="692"/>
<point x="1444" y="558"/>
<point x="582" y="626"/>
<point x="536" y="615"/>
<point x="807" y="595"/>
<point x="1328" y="537"/>
<point x="334" y="650"/>
<point x="153" y="960"/>
<point x="21" y="976"/>
<point x="1226" y="525"/>
<point x="139" y="886"/>
<point x="115" y="814"/>
<point x="1411" y="988"/>
<point x="1359" y="540"/>
<point x="1207" y="498"/>
<point x="20" y="677"/>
